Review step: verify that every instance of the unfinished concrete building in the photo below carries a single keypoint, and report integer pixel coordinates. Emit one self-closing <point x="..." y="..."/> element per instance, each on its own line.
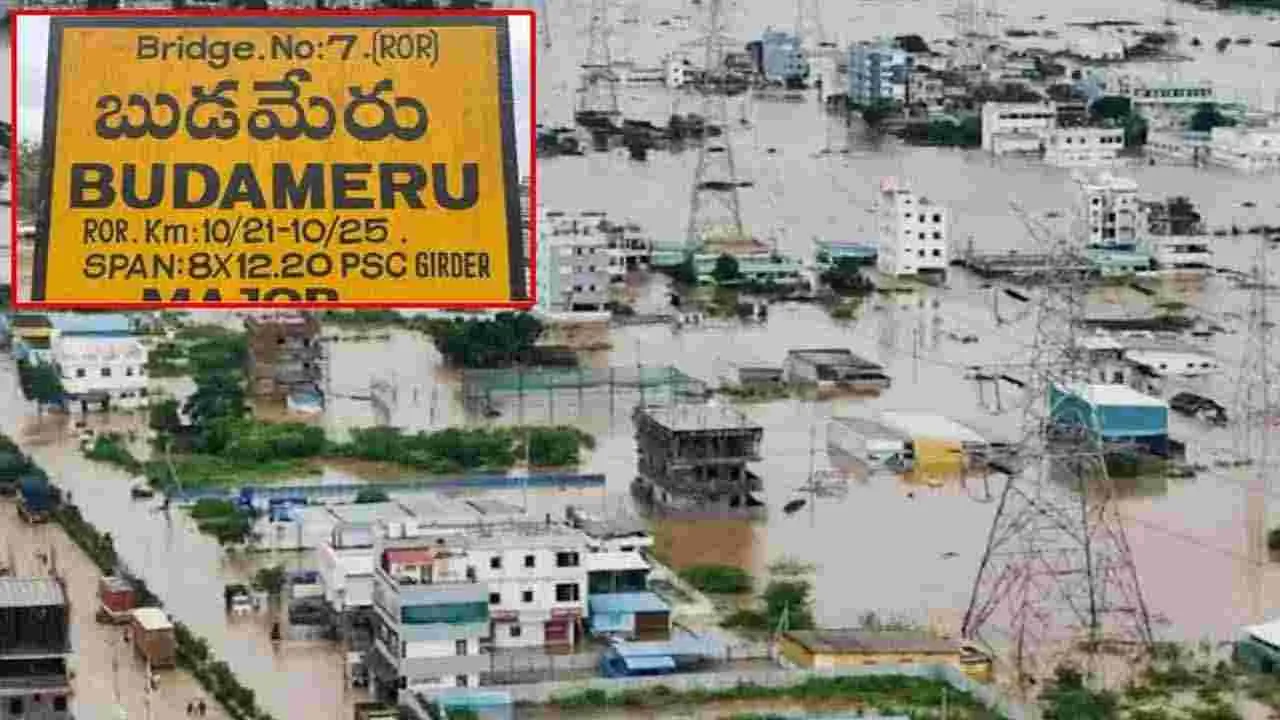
<point x="694" y="457"/>
<point x="285" y="356"/>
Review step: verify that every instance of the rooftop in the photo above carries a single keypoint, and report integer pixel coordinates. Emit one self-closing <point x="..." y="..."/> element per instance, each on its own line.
<point x="633" y="602"/>
<point x="366" y="513"/>
<point x="1113" y="395"/>
<point x="930" y="425"/>
<point x="152" y="619"/>
<point x="846" y="640"/>
<point x="18" y="592"/>
<point x="90" y="324"/>
<point x="833" y="357"/>
<point x="692" y="417"/>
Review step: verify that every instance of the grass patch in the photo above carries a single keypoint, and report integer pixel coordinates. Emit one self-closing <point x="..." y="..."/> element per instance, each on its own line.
<point x="718" y="579"/>
<point x="760" y="392"/>
<point x="890" y="695"/>
<point x="112" y="448"/>
<point x="206" y="471"/>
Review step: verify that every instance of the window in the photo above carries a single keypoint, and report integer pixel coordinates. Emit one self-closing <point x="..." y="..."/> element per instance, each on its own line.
<point x="60" y="703"/>
<point x="128" y="372"/>
<point x="567" y="559"/>
<point x="495" y="562"/>
<point x="15" y="706"/>
<point x="495" y="598"/>
<point x="526" y="596"/>
<point x="460" y="647"/>
<point x="516" y="630"/>
<point x="937" y="253"/>
<point x="937" y="236"/>
<point x="529" y="561"/>
<point x="567" y="592"/>
<point x="106" y="372"/>
<point x="937" y="217"/>
<point x="79" y="372"/>
<point x="460" y="680"/>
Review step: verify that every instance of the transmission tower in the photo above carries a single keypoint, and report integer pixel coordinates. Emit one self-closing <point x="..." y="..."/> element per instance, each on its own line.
<point x="1257" y="415"/>
<point x="809" y="30"/>
<point x="714" y="208"/>
<point x="599" y="92"/>
<point x="1057" y="569"/>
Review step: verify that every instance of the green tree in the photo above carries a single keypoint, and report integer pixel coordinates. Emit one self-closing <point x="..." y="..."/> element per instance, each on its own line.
<point x="504" y="340"/>
<point x="726" y="269"/>
<point x="40" y="384"/>
<point x="164" y="418"/>
<point x="792" y="599"/>
<point x="1111" y="107"/>
<point x="1207" y="117"/>
<point x="30" y="160"/>
<point x="1067" y="698"/>
<point x="846" y="278"/>
<point x="219" y="395"/>
<point x="686" y="273"/>
<point x="271" y="579"/>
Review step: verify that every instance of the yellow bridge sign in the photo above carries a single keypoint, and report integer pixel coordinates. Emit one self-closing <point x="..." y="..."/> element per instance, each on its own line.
<point x="342" y="160"/>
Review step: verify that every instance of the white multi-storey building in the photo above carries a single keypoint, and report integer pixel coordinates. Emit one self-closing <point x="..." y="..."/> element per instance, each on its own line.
<point x="1111" y="210"/>
<point x="1245" y="149"/>
<point x="430" y="617"/>
<point x="102" y="369"/>
<point x="573" y="264"/>
<point x="1167" y="105"/>
<point x="1083" y="146"/>
<point x="913" y="232"/>
<point x="1017" y="128"/>
<point x="878" y="72"/>
<point x="1176" y="237"/>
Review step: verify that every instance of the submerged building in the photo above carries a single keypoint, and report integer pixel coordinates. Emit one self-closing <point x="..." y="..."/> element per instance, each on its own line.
<point x="694" y="457"/>
<point x="35" y="645"/>
<point x="285" y="356"/>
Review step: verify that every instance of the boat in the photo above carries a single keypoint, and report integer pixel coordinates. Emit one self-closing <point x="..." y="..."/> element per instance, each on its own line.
<point x="141" y="492"/>
<point x="793" y="506"/>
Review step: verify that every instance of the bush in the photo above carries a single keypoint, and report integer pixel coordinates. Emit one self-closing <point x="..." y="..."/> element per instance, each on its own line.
<point x="111" y="448"/>
<point x="718" y="579"/>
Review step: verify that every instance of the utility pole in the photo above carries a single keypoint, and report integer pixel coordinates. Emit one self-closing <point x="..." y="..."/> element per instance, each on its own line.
<point x="599" y="91"/>
<point x="1057" y="568"/>
<point x="714" y="207"/>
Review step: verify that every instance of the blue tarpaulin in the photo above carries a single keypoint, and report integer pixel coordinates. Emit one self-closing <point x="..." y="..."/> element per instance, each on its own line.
<point x="635" y="602"/>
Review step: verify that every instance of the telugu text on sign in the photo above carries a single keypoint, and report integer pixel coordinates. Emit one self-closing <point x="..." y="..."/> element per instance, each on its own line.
<point x="327" y="159"/>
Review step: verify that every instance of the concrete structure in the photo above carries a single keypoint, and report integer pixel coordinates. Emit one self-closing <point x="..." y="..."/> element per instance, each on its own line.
<point x="695" y="457"/>
<point x="1178" y="147"/>
<point x="913" y="233"/>
<point x="102" y="371"/>
<point x="285" y="355"/>
<point x="1175" y="235"/>
<point x="873" y="445"/>
<point x="925" y="89"/>
<point x="1252" y="150"/>
<point x="430" y="616"/>
<point x="675" y="71"/>
<point x="879" y="72"/>
<point x="1111" y="211"/>
<point x="833" y="366"/>
<point x="573" y="264"/>
<point x="1017" y="128"/>
<point x="782" y="59"/>
<point x="827" y="649"/>
<point x="1117" y="414"/>
<point x="1162" y="369"/>
<point x="630" y="615"/>
<point x="1083" y="146"/>
<point x="35" y="646"/>
<point x="762" y="267"/>
<point x="1167" y="105"/>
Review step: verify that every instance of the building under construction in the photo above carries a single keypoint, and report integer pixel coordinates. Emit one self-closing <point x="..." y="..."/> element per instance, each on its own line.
<point x="285" y="356"/>
<point x="694" y="457"/>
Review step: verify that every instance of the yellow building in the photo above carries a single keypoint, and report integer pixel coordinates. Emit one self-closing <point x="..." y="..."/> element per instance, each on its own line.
<point x="826" y="649"/>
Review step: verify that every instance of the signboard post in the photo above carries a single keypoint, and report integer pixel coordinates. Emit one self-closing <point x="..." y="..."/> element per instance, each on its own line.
<point x="332" y="159"/>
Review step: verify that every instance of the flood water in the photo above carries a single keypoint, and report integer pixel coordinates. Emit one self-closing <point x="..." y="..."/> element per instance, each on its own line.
<point x="881" y="547"/>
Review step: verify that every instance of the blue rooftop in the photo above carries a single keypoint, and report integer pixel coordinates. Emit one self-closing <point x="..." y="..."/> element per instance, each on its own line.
<point x="634" y="602"/>
<point x="649" y="662"/>
<point x="91" y="324"/>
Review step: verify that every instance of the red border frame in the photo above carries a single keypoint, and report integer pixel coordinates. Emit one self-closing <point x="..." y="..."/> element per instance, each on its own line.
<point x="15" y="189"/>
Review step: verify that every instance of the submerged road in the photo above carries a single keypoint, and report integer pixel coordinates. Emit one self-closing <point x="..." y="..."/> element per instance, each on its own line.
<point x="107" y="672"/>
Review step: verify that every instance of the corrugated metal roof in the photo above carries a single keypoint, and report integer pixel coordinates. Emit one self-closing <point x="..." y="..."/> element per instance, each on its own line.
<point x="872" y="641"/>
<point x="30" y="592"/>
<point x="637" y="602"/>
<point x="1113" y="395"/>
<point x="932" y="426"/>
<point x="90" y="324"/>
<point x="410" y="556"/>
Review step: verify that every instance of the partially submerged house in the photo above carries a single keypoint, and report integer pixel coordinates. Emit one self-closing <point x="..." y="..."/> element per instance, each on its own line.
<point x="694" y="457"/>
<point x="834" y="367"/>
<point x="285" y="358"/>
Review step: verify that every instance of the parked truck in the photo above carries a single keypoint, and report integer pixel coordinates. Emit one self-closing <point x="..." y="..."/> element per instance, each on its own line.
<point x="117" y="600"/>
<point x="152" y="636"/>
<point x="36" y="498"/>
